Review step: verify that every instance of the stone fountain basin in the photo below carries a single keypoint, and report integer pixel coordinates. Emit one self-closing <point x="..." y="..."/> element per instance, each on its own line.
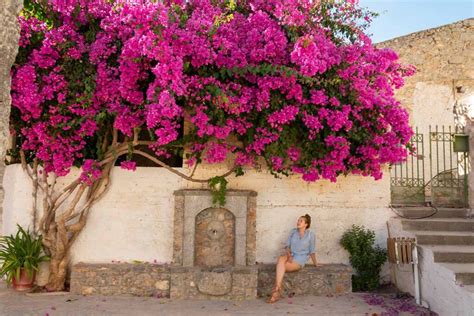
<point x="229" y="282"/>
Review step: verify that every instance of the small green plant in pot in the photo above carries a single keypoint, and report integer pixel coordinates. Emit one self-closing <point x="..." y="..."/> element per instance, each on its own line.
<point x="20" y="256"/>
<point x="366" y="259"/>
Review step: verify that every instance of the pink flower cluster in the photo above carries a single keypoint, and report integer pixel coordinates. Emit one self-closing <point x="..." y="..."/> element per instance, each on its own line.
<point x="294" y="81"/>
<point x="315" y="54"/>
<point x="90" y="171"/>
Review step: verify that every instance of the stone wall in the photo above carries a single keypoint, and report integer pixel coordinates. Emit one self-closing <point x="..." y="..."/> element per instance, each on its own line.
<point x="239" y="283"/>
<point x="442" y="90"/>
<point x="9" y="36"/>
<point x="445" y="71"/>
<point x="327" y="280"/>
<point x="115" y="279"/>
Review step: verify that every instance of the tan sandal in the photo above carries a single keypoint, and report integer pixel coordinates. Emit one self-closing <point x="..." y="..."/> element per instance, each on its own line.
<point x="276" y="296"/>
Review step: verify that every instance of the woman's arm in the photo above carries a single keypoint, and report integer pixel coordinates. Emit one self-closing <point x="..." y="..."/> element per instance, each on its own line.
<point x="313" y="257"/>
<point x="312" y="250"/>
<point x="289" y="258"/>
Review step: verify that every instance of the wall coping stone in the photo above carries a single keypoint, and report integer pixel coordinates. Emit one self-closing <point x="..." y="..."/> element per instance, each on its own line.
<point x="428" y="32"/>
<point x="234" y="269"/>
<point x="78" y="267"/>
<point x="206" y="192"/>
<point x="324" y="269"/>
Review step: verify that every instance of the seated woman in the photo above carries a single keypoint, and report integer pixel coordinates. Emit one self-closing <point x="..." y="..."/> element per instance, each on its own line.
<point x="299" y="247"/>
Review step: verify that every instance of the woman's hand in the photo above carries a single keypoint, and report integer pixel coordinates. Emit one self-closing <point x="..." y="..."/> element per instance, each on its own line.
<point x="315" y="262"/>
<point x="289" y="258"/>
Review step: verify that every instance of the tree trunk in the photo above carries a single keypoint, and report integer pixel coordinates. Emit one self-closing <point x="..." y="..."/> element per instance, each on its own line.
<point x="57" y="274"/>
<point x="59" y="255"/>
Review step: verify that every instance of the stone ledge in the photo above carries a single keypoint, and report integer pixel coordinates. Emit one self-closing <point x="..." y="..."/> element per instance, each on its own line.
<point x="233" y="282"/>
<point x="311" y="280"/>
<point x="142" y="279"/>
<point x="324" y="269"/>
<point x="234" y="269"/>
<point x="200" y="192"/>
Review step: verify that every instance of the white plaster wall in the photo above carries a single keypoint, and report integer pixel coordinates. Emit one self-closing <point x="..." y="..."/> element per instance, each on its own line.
<point x="18" y="201"/>
<point x="134" y="220"/>
<point x="334" y="207"/>
<point x="432" y="105"/>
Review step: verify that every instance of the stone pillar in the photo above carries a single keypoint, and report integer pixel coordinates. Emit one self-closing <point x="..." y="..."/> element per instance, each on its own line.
<point x="470" y="131"/>
<point x="9" y="35"/>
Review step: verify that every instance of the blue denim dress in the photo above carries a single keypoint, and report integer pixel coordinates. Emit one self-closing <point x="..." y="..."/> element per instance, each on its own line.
<point x="301" y="248"/>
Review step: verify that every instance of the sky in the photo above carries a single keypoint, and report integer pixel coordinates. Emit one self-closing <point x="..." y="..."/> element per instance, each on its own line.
<point x="401" y="17"/>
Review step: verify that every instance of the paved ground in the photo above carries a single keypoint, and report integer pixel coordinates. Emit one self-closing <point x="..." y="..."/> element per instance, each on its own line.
<point x="12" y="303"/>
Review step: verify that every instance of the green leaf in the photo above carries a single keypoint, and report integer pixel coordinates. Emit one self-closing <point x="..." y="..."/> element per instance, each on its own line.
<point x="18" y="251"/>
<point x="218" y="187"/>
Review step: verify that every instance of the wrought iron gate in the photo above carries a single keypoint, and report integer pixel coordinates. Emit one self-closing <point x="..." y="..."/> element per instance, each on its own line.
<point x="438" y="176"/>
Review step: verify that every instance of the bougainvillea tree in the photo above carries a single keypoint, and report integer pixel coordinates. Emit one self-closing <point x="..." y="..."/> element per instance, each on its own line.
<point x="295" y="86"/>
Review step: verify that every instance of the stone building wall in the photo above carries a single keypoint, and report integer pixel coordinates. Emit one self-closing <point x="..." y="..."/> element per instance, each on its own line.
<point x="441" y="93"/>
<point x="9" y="35"/>
<point x="444" y="60"/>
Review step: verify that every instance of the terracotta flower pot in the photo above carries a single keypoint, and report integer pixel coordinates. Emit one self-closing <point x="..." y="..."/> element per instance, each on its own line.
<point x="25" y="283"/>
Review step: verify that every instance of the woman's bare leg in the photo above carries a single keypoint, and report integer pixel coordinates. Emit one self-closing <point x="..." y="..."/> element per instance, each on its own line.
<point x="284" y="266"/>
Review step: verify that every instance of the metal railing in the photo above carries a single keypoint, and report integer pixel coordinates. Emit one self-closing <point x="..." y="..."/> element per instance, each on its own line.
<point x="447" y="170"/>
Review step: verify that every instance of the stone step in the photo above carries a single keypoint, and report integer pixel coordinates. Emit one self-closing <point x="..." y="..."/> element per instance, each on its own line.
<point x="444" y="224"/>
<point x="444" y="238"/>
<point x="454" y="257"/>
<point x="434" y="212"/>
<point x="453" y="254"/>
<point x="464" y="272"/>
<point x="466" y="278"/>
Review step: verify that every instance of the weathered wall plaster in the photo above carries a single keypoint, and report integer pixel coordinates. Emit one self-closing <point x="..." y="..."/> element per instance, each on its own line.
<point x="134" y="220"/>
<point x="445" y="71"/>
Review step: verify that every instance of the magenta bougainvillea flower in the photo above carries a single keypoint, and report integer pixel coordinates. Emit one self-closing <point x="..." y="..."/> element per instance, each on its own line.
<point x="295" y="82"/>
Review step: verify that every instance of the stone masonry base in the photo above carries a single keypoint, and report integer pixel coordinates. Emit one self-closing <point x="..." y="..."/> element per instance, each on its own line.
<point x="327" y="279"/>
<point x="241" y="283"/>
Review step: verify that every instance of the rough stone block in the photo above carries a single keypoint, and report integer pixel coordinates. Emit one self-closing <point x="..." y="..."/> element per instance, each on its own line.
<point x="121" y="278"/>
<point x="328" y="279"/>
<point x="230" y="283"/>
<point x="214" y="283"/>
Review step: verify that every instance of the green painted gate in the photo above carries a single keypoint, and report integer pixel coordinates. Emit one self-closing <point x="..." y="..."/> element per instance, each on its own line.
<point x="435" y="173"/>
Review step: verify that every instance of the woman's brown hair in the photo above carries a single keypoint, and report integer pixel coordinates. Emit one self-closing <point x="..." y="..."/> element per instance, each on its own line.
<point x="307" y="219"/>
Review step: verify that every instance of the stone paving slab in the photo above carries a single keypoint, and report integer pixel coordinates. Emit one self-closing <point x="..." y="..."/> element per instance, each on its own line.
<point x="12" y="304"/>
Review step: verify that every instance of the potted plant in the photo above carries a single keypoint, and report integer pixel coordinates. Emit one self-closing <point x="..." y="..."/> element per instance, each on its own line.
<point x="20" y="256"/>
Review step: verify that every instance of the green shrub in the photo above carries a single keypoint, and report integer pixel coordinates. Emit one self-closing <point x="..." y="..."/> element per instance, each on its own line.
<point x="366" y="259"/>
<point x="20" y="251"/>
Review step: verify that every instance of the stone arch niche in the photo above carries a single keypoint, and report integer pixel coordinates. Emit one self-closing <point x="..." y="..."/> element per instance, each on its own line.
<point x="214" y="247"/>
<point x="214" y="241"/>
<point x="198" y="226"/>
